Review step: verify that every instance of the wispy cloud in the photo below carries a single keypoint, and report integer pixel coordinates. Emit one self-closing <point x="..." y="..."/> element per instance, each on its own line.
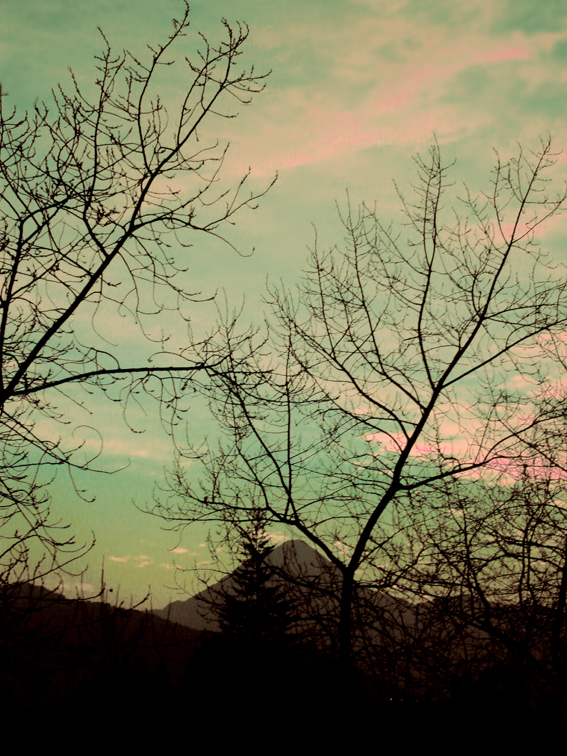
<point x="278" y="537"/>
<point x="391" y="80"/>
<point x="342" y="547"/>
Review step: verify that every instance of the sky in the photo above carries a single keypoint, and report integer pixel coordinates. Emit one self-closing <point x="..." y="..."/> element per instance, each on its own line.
<point x="357" y="87"/>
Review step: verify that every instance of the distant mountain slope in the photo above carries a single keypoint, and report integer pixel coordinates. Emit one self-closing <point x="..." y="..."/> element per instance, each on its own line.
<point x="294" y="562"/>
<point x="50" y="644"/>
<point x="314" y="580"/>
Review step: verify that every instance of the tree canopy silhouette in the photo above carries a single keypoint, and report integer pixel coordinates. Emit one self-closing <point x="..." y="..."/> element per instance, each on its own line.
<point x="104" y="190"/>
<point x="407" y="357"/>
<point x="255" y="612"/>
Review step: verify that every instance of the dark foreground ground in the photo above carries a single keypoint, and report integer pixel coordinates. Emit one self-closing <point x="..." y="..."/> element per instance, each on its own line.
<point x="91" y="670"/>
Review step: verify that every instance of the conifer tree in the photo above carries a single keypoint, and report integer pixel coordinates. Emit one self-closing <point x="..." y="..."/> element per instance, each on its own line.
<point x="255" y="609"/>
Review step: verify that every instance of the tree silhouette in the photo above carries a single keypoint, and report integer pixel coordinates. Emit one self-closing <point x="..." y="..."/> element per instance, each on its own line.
<point x="254" y="607"/>
<point x="401" y="363"/>
<point x="252" y="666"/>
<point x="104" y="190"/>
<point x="495" y="560"/>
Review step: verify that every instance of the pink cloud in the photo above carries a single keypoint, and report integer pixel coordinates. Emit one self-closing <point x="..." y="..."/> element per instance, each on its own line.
<point x="513" y="469"/>
<point x="559" y="335"/>
<point x="506" y="469"/>
<point x="395" y="442"/>
<point x="342" y="547"/>
<point x="509" y="54"/>
<point x="520" y="231"/>
<point x="382" y="79"/>
<point x="277" y="537"/>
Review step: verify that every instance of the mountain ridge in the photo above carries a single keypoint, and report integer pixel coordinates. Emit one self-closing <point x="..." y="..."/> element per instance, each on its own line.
<point x="294" y="558"/>
<point x="312" y="577"/>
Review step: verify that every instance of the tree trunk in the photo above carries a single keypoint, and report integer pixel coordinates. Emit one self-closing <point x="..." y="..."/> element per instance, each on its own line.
<point x="345" y="633"/>
<point x="559" y="613"/>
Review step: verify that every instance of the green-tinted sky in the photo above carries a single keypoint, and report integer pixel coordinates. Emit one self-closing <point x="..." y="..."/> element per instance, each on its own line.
<point x="357" y="87"/>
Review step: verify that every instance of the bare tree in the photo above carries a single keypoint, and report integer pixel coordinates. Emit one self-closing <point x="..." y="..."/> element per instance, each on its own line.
<point x="494" y="565"/>
<point x="103" y="191"/>
<point x="406" y="359"/>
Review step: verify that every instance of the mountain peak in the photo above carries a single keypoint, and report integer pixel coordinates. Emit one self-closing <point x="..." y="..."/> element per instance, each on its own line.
<point x="294" y="561"/>
<point x="297" y="556"/>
